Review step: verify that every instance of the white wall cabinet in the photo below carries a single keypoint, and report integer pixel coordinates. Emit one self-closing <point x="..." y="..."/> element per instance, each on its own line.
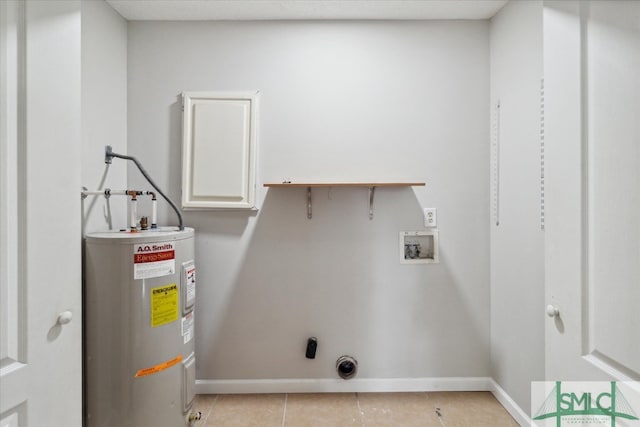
<point x="219" y="150"/>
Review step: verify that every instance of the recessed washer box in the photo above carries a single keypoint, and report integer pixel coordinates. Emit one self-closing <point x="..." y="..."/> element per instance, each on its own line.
<point x="419" y="247"/>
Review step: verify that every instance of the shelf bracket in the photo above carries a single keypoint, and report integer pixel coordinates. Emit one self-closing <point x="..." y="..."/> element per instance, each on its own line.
<point x="372" y="191"/>
<point x="309" y="214"/>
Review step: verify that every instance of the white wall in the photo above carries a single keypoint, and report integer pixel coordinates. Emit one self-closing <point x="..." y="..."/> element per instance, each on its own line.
<point x="339" y="100"/>
<point x="104" y="112"/>
<point x="517" y="244"/>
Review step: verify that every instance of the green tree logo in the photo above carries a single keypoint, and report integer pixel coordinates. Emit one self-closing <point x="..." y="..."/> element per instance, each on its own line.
<point x="611" y="404"/>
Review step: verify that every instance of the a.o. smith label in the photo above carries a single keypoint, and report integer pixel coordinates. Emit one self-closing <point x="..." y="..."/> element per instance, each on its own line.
<point x="153" y="260"/>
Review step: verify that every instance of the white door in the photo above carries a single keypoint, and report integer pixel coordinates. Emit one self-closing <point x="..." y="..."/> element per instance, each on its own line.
<point x="592" y="142"/>
<point x="40" y="257"/>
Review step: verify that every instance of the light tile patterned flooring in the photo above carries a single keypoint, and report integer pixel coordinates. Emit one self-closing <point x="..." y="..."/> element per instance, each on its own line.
<point x="433" y="409"/>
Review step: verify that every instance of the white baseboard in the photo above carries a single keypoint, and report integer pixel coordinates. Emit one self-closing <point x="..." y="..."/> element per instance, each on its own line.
<point x="510" y="405"/>
<point x="293" y="385"/>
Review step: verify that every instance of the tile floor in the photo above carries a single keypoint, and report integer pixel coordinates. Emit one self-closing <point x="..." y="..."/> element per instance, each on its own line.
<point x="433" y="409"/>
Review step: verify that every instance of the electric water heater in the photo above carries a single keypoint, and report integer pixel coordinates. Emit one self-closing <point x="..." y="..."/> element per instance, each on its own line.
<point x="140" y="290"/>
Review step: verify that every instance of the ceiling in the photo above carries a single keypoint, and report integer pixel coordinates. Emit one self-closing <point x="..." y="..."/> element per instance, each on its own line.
<point x="246" y="10"/>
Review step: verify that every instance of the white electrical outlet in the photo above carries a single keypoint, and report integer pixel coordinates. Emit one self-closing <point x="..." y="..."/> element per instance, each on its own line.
<point x="430" y="217"/>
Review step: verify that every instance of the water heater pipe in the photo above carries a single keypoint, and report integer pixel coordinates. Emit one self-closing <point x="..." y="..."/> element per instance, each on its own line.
<point x="133" y="193"/>
<point x="154" y="209"/>
<point x="109" y="155"/>
<point x="133" y="210"/>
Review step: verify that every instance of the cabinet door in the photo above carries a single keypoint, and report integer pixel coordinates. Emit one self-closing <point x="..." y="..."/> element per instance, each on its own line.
<point x="219" y="150"/>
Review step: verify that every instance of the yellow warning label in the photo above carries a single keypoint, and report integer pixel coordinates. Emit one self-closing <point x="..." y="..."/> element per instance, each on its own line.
<point x="158" y="368"/>
<point x="164" y="305"/>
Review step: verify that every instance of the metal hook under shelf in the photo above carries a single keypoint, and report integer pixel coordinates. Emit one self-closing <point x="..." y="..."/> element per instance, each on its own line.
<point x="372" y="191"/>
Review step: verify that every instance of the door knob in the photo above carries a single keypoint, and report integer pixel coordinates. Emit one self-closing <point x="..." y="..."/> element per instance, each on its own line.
<point x="552" y="311"/>
<point x="65" y="317"/>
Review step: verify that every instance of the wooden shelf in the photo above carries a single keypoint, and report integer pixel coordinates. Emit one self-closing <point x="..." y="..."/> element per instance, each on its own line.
<point x="370" y="185"/>
<point x="343" y="184"/>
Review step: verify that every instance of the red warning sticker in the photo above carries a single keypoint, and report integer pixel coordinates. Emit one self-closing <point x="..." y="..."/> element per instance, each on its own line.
<point x="155" y="257"/>
<point x="153" y="260"/>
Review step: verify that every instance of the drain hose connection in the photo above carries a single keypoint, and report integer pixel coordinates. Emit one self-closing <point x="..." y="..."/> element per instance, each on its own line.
<point x="347" y="367"/>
